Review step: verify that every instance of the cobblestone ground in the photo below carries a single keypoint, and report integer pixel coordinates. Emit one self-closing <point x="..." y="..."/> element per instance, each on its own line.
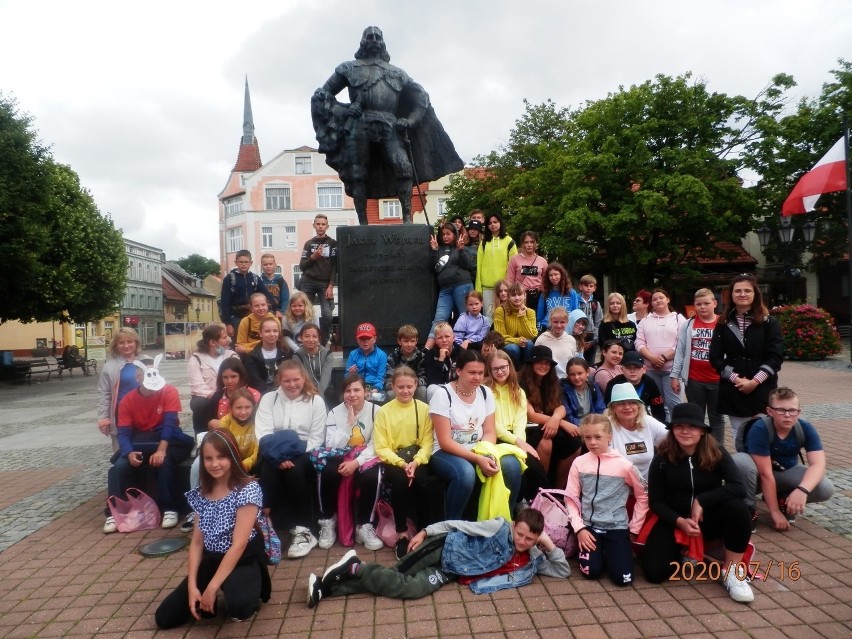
<point x="60" y="576"/>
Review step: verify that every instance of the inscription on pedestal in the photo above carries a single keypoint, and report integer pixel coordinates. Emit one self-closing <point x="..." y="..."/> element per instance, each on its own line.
<point x="385" y="278"/>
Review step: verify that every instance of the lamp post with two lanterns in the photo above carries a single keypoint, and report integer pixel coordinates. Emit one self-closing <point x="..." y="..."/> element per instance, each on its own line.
<point x="786" y="232"/>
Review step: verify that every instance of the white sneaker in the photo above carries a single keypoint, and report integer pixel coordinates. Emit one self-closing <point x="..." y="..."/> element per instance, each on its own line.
<point x="301" y="543"/>
<point x="109" y="526"/>
<point x="735" y="581"/>
<point x="366" y="535"/>
<point x="327" y="534"/>
<point x="170" y="519"/>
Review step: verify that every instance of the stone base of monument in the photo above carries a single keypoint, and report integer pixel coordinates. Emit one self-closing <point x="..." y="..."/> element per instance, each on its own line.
<point x="385" y="277"/>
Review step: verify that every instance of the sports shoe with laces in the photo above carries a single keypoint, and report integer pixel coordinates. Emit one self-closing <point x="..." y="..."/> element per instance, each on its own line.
<point x="302" y="541"/>
<point x="327" y="533"/>
<point x="314" y="590"/>
<point x="366" y="535"/>
<point x="109" y="526"/>
<point x="170" y="519"/>
<point x="738" y="588"/>
<point x="188" y="523"/>
<point x="341" y="569"/>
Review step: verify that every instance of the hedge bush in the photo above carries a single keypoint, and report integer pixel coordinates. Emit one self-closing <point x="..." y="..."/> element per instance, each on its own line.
<point x="809" y="332"/>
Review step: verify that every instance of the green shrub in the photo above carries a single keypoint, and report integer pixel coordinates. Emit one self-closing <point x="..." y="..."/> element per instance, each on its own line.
<point x="809" y="332"/>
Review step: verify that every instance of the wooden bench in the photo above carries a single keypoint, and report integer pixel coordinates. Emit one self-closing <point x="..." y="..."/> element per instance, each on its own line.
<point x="32" y="367"/>
<point x="84" y="366"/>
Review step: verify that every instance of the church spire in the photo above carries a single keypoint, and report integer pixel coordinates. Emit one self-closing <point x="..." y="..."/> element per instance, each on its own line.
<point x="248" y="157"/>
<point x="248" y="120"/>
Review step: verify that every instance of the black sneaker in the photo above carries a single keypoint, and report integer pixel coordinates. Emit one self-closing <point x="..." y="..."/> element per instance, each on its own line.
<point x="753" y="521"/>
<point x="314" y="590"/>
<point x="782" y="504"/>
<point x="340" y="570"/>
<point x="401" y="547"/>
<point x="188" y="523"/>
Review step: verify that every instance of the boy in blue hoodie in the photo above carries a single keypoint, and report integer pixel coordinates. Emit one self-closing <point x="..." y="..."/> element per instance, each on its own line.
<point x="367" y="360"/>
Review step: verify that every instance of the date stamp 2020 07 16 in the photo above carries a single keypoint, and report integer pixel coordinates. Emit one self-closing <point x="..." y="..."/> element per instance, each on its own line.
<point x="755" y="570"/>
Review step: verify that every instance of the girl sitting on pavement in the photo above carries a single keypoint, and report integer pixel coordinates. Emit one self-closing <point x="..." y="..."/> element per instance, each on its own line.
<point x="226" y="551"/>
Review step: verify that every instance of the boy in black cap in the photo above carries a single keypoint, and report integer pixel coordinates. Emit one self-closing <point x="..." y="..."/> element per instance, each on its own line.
<point x="634" y="372"/>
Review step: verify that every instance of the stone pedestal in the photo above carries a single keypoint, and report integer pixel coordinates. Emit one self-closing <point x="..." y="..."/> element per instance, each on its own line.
<point x="385" y="277"/>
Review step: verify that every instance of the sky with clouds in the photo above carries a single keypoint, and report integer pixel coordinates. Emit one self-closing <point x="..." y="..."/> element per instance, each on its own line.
<point x="145" y="100"/>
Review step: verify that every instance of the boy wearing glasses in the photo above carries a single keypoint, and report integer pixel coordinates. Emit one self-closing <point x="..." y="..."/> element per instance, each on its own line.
<point x="237" y="288"/>
<point x="771" y="463"/>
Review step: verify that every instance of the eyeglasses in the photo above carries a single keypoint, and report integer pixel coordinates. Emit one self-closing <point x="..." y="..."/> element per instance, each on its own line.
<point x="792" y="412"/>
<point x="500" y="369"/>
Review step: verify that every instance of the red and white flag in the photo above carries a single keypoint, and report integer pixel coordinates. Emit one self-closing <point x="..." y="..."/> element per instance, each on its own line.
<point x="828" y="175"/>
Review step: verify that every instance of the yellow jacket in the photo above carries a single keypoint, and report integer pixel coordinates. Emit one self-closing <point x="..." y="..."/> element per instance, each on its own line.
<point x="512" y="327"/>
<point x="510" y="419"/>
<point x="494" y="497"/>
<point x="248" y="332"/>
<point x="396" y="426"/>
<point x="246" y="439"/>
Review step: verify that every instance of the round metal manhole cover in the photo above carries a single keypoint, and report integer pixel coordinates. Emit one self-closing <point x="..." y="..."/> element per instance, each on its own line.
<point x="163" y="547"/>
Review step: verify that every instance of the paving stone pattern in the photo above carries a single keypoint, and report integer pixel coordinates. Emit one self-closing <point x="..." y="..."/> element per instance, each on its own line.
<point x="60" y="576"/>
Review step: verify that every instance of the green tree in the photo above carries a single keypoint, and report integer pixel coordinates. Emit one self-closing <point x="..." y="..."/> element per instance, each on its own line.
<point x="60" y="258"/>
<point x="198" y="265"/>
<point x="638" y="185"/>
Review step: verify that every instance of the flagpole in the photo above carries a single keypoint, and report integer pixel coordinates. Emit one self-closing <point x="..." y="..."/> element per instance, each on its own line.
<point x="848" y="226"/>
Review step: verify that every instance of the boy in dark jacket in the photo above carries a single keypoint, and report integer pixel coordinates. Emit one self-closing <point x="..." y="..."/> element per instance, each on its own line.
<point x="634" y="372"/>
<point x="487" y="555"/>
<point x="407" y="353"/>
<point x="237" y="288"/>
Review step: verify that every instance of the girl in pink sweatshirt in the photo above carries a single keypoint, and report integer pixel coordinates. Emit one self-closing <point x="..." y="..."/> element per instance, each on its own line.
<point x="599" y="485"/>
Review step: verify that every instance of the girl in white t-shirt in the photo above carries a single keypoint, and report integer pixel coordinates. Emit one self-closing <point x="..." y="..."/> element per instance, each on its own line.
<point x="462" y="414"/>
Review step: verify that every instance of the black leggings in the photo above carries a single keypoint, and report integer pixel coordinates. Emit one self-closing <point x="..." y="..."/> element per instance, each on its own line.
<point x="242" y="589"/>
<point x="401" y="493"/>
<point x="730" y="521"/>
<point x="290" y="494"/>
<point x="366" y="485"/>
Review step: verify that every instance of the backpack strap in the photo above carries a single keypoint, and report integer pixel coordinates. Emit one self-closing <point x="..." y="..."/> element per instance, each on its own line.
<point x="510" y="247"/>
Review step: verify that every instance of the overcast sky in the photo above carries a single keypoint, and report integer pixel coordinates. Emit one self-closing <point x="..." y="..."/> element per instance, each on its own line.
<point x="145" y="100"/>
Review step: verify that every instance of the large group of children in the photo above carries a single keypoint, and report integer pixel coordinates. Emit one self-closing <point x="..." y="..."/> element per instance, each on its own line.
<point x="507" y="400"/>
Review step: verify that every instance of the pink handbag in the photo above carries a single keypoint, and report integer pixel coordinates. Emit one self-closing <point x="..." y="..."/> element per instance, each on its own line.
<point x="386" y="529"/>
<point x="556" y="521"/>
<point x="137" y="512"/>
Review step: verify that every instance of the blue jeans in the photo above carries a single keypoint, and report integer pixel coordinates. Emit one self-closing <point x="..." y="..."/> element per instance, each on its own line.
<point x="121" y="472"/>
<point x="519" y="354"/>
<point x="460" y="475"/>
<point x="326" y="309"/>
<point x="447" y="297"/>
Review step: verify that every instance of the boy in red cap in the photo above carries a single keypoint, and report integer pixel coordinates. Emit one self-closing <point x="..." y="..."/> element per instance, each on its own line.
<point x="367" y="360"/>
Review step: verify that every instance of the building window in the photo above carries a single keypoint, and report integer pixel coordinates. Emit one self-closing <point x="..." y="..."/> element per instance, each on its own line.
<point x="303" y="165"/>
<point x="233" y="206"/>
<point x="278" y="198"/>
<point x="133" y="300"/>
<point x="266" y="236"/>
<point x="391" y="210"/>
<point x="297" y="275"/>
<point x="148" y="273"/>
<point x="330" y="196"/>
<point x="442" y="207"/>
<point x="235" y="240"/>
<point x="278" y="270"/>
<point x="290" y="236"/>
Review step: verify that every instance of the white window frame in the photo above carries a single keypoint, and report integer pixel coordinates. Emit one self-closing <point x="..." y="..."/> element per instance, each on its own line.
<point x="391" y="210"/>
<point x="327" y="199"/>
<point x="442" y="207"/>
<point x="278" y="201"/>
<point x="266" y="237"/>
<point x="233" y="206"/>
<point x="290" y="237"/>
<point x="303" y="165"/>
<point x="235" y="239"/>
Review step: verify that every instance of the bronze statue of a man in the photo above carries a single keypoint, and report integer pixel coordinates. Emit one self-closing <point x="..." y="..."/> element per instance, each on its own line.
<point x="388" y="134"/>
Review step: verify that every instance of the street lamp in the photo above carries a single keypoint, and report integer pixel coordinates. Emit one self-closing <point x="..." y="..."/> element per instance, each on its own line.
<point x="786" y="233"/>
<point x="197" y="313"/>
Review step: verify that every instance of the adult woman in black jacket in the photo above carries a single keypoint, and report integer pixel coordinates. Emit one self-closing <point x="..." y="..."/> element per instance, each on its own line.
<point x="695" y="488"/>
<point x="747" y="349"/>
<point x="452" y="265"/>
